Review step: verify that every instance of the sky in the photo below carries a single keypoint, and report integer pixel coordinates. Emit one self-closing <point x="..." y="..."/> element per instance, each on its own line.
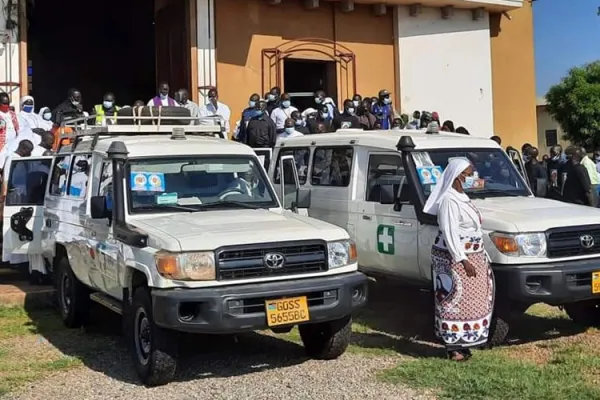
<point x="567" y="34"/>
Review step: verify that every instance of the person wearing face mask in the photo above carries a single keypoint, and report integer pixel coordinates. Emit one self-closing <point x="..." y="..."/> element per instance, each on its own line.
<point x="577" y="187"/>
<point x="397" y="124"/>
<point x="321" y="99"/>
<point x="383" y="110"/>
<point x="535" y="170"/>
<point x="45" y="118"/>
<point x="320" y="123"/>
<point x="215" y="108"/>
<point x="27" y="116"/>
<point x="459" y="261"/>
<point x="162" y="98"/>
<point x="356" y="100"/>
<point x="249" y="112"/>
<point x="107" y="111"/>
<point x="280" y="114"/>
<point x="299" y="123"/>
<point x="260" y="131"/>
<point x="182" y="97"/>
<point x="366" y="119"/>
<point x="348" y="118"/>
<point x="71" y="108"/>
<point x="415" y="123"/>
<point x="273" y="99"/>
<point x="524" y="152"/>
<point x="289" y="130"/>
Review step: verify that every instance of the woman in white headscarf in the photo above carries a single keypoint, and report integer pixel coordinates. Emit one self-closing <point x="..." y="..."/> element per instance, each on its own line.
<point x="28" y="119"/>
<point x="462" y="277"/>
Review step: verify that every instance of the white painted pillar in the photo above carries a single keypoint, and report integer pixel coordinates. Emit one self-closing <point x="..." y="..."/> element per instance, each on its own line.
<point x="9" y="58"/>
<point x="205" y="38"/>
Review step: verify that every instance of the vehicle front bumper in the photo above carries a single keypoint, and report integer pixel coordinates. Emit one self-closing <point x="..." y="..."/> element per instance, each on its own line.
<point x="552" y="283"/>
<point x="241" y="308"/>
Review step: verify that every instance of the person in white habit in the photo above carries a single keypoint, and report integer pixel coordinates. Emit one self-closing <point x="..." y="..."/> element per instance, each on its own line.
<point x="462" y="276"/>
<point x="29" y="120"/>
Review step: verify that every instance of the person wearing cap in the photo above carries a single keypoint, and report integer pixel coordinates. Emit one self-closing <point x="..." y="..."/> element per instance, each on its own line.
<point x="383" y="109"/>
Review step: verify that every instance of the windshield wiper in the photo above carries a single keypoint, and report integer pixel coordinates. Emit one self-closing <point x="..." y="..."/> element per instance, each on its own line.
<point x="230" y="203"/>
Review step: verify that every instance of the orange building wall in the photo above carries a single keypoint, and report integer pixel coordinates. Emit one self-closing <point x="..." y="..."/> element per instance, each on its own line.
<point x="244" y="28"/>
<point x="513" y="76"/>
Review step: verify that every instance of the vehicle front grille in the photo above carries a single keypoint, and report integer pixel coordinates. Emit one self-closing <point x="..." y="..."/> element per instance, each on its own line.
<point x="573" y="241"/>
<point x="246" y="262"/>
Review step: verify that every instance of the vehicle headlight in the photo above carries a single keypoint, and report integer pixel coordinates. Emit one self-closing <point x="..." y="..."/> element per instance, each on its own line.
<point x="341" y="253"/>
<point x="198" y="266"/>
<point x="520" y="245"/>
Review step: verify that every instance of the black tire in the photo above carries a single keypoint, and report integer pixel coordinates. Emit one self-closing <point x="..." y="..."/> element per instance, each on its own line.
<point x="154" y="350"/>
<point x="169" y="115"/>
<point x="73" y="296"/>
<point x="499" y="329"/>
<point x="326" y="340"/>
<point x="586" y="313"/>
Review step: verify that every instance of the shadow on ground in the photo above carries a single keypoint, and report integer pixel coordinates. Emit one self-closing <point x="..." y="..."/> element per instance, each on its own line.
<point x="397" y="319"/>
<point x="402" y="319"/>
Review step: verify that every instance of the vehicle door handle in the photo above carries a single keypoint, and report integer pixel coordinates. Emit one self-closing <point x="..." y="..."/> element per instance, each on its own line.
<point x="402" y="223"/>
<point x="366" y="217"/>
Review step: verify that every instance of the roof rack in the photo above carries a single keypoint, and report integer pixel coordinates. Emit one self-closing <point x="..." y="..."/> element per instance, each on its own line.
<point x="80" y="128"/>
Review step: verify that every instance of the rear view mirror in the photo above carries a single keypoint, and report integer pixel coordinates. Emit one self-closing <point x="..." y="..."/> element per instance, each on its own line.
<point x="303" y="198"/>
<point x="386" y="195"/>
<point x="99" y="208"/>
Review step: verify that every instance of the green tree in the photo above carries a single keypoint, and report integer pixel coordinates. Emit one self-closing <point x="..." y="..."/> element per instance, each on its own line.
<point x="575" y="104"/>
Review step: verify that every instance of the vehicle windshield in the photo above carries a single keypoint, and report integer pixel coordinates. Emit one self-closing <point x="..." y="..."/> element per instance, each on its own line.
<point x="495" y="174"/>
<point x="197" y="183"/>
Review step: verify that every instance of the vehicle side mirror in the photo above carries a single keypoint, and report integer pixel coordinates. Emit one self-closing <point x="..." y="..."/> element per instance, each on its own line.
<point x="386" y="195"/>
<point x="541" y="189"/>
<point x="99" y="208"/>
<point x="303" y="196"/>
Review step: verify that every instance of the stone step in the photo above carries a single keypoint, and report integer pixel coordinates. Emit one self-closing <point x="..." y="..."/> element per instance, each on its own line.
<point x="16" y="291"/>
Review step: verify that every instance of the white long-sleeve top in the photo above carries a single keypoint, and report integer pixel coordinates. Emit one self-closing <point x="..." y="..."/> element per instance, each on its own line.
<point x="280" y="114"/>
<point x="460" y="226"/>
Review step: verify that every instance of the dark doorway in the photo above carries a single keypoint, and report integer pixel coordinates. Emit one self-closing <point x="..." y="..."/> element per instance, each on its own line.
<point x="172" y="45"/>
<point x="108" y="47"/>
<point x="301" y="78"/>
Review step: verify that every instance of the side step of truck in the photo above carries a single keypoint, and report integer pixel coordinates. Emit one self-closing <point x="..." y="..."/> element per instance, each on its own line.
<point x="107" y="302"/>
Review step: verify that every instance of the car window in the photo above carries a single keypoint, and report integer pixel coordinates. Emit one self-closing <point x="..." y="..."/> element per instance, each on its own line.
<point x="78" y="179"/>
<point x="332" y="166"/>
<point x="385" y="170"/>
<point x="58" y="182"/>
<point x="301" y="157"/>
<point x="27" y="182"/>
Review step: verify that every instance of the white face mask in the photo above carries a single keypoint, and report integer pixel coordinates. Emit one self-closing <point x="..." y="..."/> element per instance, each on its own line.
<point x="318" y="100"/>
<point x="47" y="116"/>
<point x="351" y="111"/>
<point x="163" y="96"/>
<point x="356" y="103"/>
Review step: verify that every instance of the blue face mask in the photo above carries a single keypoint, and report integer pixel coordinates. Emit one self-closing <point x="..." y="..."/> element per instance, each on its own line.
<point x="387" y="100"/>
<point x="251" y="104"/>
<point x="271" y="97"/>
<point x="468" y="182"/>
<point x="289" y="130"/>
<point x="27" y="108"/>
<point x="107" y="104"/>
<point x="286" y="104"/>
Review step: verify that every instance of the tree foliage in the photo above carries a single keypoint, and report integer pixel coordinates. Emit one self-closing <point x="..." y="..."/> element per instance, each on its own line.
<point x="575" y="104"/>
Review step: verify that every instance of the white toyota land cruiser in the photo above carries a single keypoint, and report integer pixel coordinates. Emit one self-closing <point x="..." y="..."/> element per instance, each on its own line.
<point x="182" y="233"/>
<point x="374" y="185"/>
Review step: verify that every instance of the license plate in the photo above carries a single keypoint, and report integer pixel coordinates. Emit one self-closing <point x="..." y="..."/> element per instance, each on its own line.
<point x="595" y="282"/>
<point x="287" y="311"/>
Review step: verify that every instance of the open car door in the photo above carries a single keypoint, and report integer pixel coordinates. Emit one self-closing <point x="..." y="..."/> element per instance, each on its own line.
<point x="515" y="156"/>
<point x="292" y="196"/>
<point x="23" y="190"/>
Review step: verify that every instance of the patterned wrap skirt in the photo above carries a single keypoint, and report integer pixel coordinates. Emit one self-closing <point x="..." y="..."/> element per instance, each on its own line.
<point x="463" y="305"/>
